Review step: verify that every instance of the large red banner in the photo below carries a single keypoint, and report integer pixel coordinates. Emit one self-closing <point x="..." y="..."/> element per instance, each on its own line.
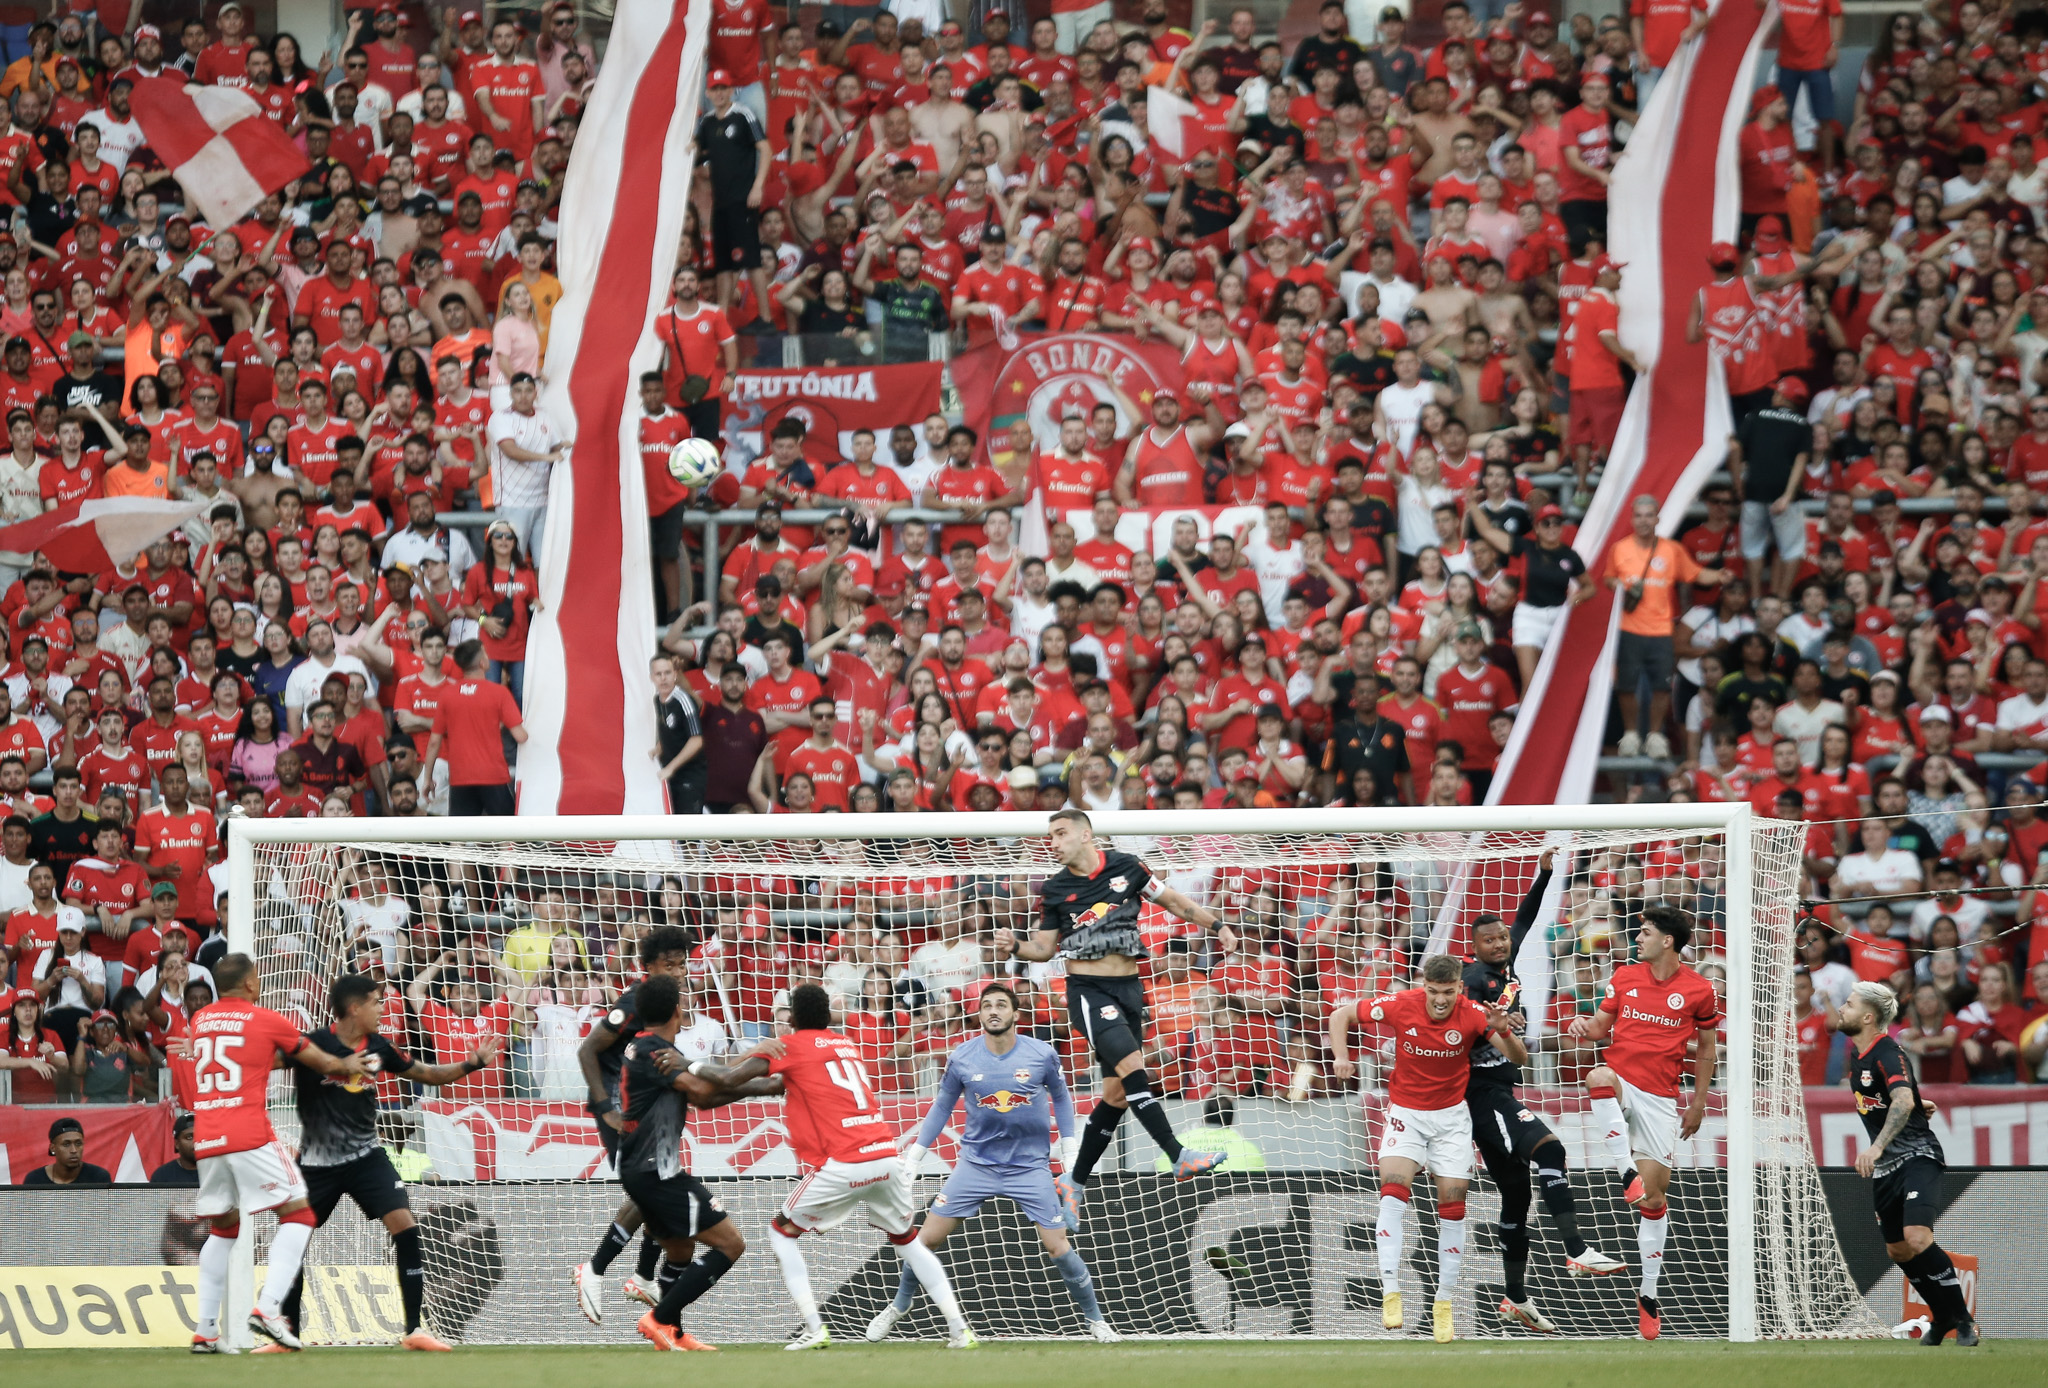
<point x="1049" y="375"/>
<point x="130" y="1140"/>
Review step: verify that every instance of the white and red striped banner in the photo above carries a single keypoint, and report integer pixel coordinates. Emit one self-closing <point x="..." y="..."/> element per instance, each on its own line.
<point x="622" y="221"/>
<point x="1674" y="431"/>
<point x="216" y="141"/>
<point x="91" y="537"/>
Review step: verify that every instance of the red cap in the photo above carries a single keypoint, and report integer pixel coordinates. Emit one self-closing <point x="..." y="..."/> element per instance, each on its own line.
<point x="1792" y="388"/>
<point x="1763" y="97"/>
<point x="1770" y="232"/>
<point x="149" y="31"/>
<point x="1164" y="394"/>
<point x="1392" y="334"/>
<point x="1603" y="262"/>
<point x="472" y="17"/>
<point x="1723" y="253"/>
<point x="1544" y="513"/>
<point x="719" y="78"/>
<point x="725" y="489"/>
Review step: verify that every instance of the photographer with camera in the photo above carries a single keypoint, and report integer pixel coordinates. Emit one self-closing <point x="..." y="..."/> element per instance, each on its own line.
<point x="1643" y="569"/>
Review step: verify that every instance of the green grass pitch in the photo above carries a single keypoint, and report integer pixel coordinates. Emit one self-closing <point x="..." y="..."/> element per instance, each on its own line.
<point x="1231" y="1364"/>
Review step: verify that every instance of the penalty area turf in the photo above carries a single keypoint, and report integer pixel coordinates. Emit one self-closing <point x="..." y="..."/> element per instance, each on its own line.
<point x="1185" y="1364"/>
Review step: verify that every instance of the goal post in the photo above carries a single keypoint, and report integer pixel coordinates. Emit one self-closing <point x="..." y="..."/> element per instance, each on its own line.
<point x="1329" y="900"/>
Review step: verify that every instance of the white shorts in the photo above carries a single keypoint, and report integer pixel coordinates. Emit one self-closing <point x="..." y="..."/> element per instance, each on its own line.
<point x="1760" y="529"/>
<point x="1652" y="1122"/>
<point x="1439" y="1140"/>
<point x="259" y="1179"/>
<point x="1533" y="625"/>
<point x="838" y="1190"/>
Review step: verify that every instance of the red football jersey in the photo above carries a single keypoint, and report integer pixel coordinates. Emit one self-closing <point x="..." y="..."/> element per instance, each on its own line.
<point x="834" y="1113"/>
<point x="1653" y="1020"/>
<point x="1432" y="1059"/>
<point x="234" y="1045"/>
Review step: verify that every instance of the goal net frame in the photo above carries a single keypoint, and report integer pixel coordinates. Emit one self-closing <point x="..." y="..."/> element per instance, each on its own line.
<point x="1750" y="1154"/>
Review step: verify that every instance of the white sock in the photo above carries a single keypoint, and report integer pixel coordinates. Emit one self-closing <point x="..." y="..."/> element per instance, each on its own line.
<point x="930" y="1271"/>
<point x="1388" y="1234"/>
<point x="1450" y="1252"/>
<point x="1611" y="1135"/>
<point x="795" y="1276"/>
<point x="287" y="1252"/>
<point x="214" y="1255"/>
<point x="1650" y="1235"/>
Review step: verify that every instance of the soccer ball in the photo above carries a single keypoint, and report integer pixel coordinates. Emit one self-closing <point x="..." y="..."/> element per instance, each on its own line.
<point x="693" y="462"/>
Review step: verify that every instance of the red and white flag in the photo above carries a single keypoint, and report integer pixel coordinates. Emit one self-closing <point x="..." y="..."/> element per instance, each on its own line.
<point x="225" y="153"/>
<point x="589" y="699"/>
<point x="90" y="537"/>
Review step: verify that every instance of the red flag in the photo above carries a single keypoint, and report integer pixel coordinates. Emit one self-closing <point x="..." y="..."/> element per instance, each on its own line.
<point x="225" y="153"/>
<point x="90" y="537"/>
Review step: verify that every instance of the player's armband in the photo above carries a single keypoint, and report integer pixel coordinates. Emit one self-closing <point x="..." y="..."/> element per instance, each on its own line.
<point x="1153" y="889"/>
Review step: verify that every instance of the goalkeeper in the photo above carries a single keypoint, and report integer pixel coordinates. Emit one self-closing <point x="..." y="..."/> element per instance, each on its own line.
<point x="1014" y="1093"/>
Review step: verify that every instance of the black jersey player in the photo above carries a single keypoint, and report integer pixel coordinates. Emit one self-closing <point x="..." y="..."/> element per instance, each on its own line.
<point x="1089" y="913"/>
<point x="1904" y="1161"/>
<point x="1510" y="1137"/>
<point x="339" y="1150"/>
<point x="664" y="950"/>
<point x="655" y="1089"/>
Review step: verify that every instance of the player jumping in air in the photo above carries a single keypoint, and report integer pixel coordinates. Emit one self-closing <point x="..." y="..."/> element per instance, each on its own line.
<point x="1434" y="1029"/>
<point x="1904" y="1160"/>
<point x="1089" y="913"/>
<point x="677" y="1210"/>
<point x="1652" y="1010"/>
<point x="1510" y="1137"/>
<point x="843" y="1139"/>
<point x="663" y="950"/>
<point x="243" y="1168"/>
<point x="339" y="1150"/>
<point x="1014" y="1092"/>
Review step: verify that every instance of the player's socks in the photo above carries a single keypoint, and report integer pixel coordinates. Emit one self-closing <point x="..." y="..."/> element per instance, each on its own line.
<point x="1933" y="1275"/>
<point x="609" y="1247"/>
<point x="1557" y="1198"/>
<point x="1138" y="1094"/>
<point x="1393" y="1206"/>
<point x="1450" y="1245"/>
<point x="932" y="1273"/>
<point x="1096" y="1135"/>
<point x="650" y="1257"/>
<point x="1651" y="1230"/>
<point x="1079" y="1282"/>
<point x="695" y="1279"/>
<point x="906" y="1288"/>
<point x="1514" y="1259"/>
<point x="213" y="1281"/>
<point x="666" y="1277"/>
<point x="287" y="1255"/>
<point x="796" y="1276"/>
<point x="412" y="1276"/>
<point x="1612" y="1129"/>
<point x="294" y="1301"/>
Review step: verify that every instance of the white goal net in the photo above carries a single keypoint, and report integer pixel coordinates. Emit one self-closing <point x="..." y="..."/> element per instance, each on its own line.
<point x="530" y="938"/>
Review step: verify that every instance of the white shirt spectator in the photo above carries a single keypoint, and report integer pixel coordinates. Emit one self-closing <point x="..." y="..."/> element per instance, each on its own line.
<point x="1967" y="912"/>
<point x="1276" y="568"/>
<point x="381" y="923"/>
<point x="194" y="973"/>
<point x="374" y="105"/>
<point x="302" y="690"/>
<point x="1706" y="629"/>
<point x="1890" y="872"/>
<point x="118" y="139"/>
<point x="2019" y="713"/>
<point x="414" y="104"/>
<point x="1806" y="725"/>
<point x="410" y="547"/>
<point x="521" y="485"/>
<point x="1029" y="619"/>
<point x="946" y="966"/>
<point x="1833" y="981"/>
<point x="14" y="892"/>
<point x="70" y="992"/>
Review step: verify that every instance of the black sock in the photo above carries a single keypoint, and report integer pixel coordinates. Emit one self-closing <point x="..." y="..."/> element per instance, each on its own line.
<point x="1514" y="1259"/>
<point x="650" y="1256"/>
<point x="412" y="1275"/>
<point x="695" y="1279"/>
<point x="1095" y="1139"/>
<point x="1933" y="1274"/>
<point x="1138" y="1093"/>
<point x="616" y="1237"/>
<point x="666" y="1277"/>
<point x="1557" y="1198"/>
<point x="293" y="1299"/>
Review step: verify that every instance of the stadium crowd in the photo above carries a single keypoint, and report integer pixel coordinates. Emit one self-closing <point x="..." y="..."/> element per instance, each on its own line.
<point x="1380" y="248"/>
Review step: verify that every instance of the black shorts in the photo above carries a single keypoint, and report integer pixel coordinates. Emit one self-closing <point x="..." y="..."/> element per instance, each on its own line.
<point x="492" y="800"/>
<point x="1908" y="1196"/>
<point x="609" y="1136"/>
<point x="665" y="531"/>
<point x="736" y="238"/>
<point x="675" y="1207"/>
<point x="1502" y="1125"/>
<point x="370" y="1180"/>
<point x="1110" y="1012"/>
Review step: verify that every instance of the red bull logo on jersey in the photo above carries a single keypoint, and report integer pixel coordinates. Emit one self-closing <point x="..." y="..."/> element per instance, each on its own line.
<point x="1007" y="1100"/>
